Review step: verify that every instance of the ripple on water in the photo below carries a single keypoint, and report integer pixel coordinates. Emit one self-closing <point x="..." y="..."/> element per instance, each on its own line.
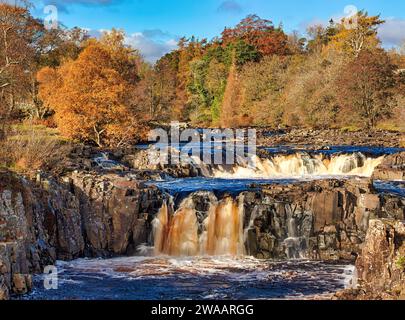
<point x="146" y="278"/>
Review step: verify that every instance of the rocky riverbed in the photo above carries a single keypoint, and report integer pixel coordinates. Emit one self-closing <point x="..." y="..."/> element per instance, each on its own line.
<point x="330" y="137"/>
<point x="107" y="209"/>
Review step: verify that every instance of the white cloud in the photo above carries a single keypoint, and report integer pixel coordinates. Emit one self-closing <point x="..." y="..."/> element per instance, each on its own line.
<point x="392" y="33"/>
<point x="152" y="44"/>
<point x="150" y="47"/>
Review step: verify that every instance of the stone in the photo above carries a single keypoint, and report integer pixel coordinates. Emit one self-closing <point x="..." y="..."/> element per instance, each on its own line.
<point x="326" y="209"/>
<point x="392" y="168"/>
<point x="4" y="293"/>
<point x="370" y="201"/>
<point x="21" y="283"/>
<point x="330" y="229"/>
<point x="93" y="215"/>
<point x="377" y="265"/>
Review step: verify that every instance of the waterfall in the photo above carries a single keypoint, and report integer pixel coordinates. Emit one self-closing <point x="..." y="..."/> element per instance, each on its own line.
<point x="177" y="234"/>
<point x="302" y="165"/>
<point x="181" y="234"/>
<point x="224" y="229"/>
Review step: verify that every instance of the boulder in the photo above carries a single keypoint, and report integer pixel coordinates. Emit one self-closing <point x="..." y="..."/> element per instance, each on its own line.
<point x="392" y="168"/>
<point x="381" y="263"/>
<point x="83" y="214"/>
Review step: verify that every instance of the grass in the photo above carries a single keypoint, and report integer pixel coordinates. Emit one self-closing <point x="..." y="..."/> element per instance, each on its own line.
<point x="350" y="129"/>
<point x="401" y="263"/>
<point x="387" y="126"/>
<point x="27" y="148"/>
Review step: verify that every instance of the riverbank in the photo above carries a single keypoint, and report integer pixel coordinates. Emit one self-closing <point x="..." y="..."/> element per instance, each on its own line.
<point x="331" y="137"/>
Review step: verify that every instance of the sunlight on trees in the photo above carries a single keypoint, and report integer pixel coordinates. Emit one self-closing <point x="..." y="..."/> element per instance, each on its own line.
<point x="102" y="91"/>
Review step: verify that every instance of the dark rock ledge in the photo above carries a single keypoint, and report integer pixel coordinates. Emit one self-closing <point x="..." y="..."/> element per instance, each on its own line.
<point x="84" y="215"/>
<point x="89" y="214"/>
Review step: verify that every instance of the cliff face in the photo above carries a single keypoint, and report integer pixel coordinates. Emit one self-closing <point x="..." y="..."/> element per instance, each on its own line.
<point x="381" y="264"/>
<point x="86" y="215"/>
<point x="325" y="220"/>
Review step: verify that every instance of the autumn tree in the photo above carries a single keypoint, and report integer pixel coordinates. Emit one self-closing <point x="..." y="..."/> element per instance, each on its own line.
<point x="259" y="33"/>
<point x="90" y="95"/>
<point x="155" y="93"/>
<point x="296" y="43"/>
<point x="18" y="36"/>
<point x="189" y="50"/>
<point x="320" y="36"/>
<point x="357" y="33"/>
<point x="228" y="115"/>
<point x="366" y="86"/>
<point x="57" y="45"/>
<point x="262" y="86"/>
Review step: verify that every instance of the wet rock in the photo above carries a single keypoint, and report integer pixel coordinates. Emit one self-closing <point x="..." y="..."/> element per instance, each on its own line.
<point x="392" y="168"/>
<point x="22" y="283"/>
<point x="84" y="214"/>
<point x="320" y="219"/>
<point x="4" y="294"/>
<point x="326" y="209"/>
<point x="381" y="264"/>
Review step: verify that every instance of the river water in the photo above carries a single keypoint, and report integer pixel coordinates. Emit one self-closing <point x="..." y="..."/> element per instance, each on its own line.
<point x="154" y="275"/>
<point x="165" y="278"/>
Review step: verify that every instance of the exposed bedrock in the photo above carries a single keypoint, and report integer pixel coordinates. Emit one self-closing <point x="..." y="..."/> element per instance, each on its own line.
<point x="381" y="264"/>
<point x="86" y="215"/>
<point x="107" y="214"/>
<point x="318" y="220"/>
<point x="325" y="220"/>
<point x="392" y="168"/>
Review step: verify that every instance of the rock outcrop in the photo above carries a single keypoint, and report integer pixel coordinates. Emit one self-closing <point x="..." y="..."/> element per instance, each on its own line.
<point x="321" y="220"/>
<point x="381" y="264"/>
<point x="101" y="213"/>
<point x="318" y="220"/>
<point x="392" y="168"/>
<point x="85" y="215"/>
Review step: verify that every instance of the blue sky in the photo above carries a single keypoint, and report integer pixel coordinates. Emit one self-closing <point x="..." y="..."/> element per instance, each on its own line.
<point x="153" y="26"/>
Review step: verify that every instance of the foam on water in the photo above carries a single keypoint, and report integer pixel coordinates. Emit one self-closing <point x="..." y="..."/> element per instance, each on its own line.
<point x="219" y="277"/>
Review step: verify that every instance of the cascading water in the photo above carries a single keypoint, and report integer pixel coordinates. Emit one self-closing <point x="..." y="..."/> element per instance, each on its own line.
<point x="177" y="234"/>
<point x="301" y="165"/>
<point x="221" y="229"/>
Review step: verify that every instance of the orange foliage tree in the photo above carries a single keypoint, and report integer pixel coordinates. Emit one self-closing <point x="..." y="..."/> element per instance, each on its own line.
<point x="357" y="34"/>
<point x="91" y="95"/>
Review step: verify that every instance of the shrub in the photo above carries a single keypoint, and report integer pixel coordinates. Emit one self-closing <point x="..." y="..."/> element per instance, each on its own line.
<point x="401" y="263"/>
<point x="29" y="149"/>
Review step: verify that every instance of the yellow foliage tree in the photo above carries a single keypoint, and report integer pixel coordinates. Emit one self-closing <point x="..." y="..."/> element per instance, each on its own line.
<point x="357" y="33"/>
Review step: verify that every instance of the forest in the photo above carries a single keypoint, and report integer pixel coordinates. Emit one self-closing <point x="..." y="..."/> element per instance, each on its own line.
<point x="102" y="91"/>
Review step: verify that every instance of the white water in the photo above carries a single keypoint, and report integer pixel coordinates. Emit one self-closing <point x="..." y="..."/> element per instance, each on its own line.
<point x="151" y="278"/>
<point x="302" y="165"/>
<point x="180" y="233"/>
